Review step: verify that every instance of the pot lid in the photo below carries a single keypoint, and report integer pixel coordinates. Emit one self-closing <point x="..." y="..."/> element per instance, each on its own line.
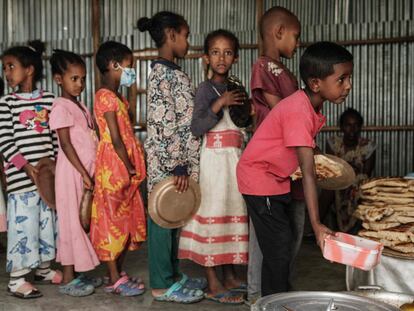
<point x="319" y="301"/>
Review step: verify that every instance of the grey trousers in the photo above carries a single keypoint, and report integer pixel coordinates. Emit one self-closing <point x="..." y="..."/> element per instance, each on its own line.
<point x="296" y="213"/>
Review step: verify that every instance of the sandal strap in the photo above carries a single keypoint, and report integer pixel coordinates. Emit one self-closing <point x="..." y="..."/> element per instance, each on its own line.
<point x="26" y="288"/>
<point x="121" y="281"/>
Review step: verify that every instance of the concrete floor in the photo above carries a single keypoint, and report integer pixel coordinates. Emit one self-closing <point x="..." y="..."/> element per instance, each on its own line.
<point x="313" y="273"/>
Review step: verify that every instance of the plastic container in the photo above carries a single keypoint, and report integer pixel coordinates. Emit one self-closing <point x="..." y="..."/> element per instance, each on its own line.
<point x="353" y="251"/>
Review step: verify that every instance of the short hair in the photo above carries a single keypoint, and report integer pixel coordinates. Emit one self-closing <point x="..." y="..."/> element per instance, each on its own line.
<point x="60" y="60"/>
<point x="111" y="51"/>
<point x="351" y="112"/>
<point x="319" y="59"/>
<point x="157" y="24"/>
<point x="275" y="14"/>
<point x="1" y="87"/>
<point x="30" y="55"/>
<point x="225" y="34"/>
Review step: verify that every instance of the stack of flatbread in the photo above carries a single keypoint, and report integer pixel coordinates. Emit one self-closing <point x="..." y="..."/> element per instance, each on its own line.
<point x="387" y="212"/>
<point x="325" y="168"/>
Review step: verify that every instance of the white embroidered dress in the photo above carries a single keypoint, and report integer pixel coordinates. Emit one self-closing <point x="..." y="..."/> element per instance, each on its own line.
<point x="218" y="234"/>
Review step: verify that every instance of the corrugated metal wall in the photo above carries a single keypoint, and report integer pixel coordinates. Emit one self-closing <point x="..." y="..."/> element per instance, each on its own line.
<point x="383" y="77"/>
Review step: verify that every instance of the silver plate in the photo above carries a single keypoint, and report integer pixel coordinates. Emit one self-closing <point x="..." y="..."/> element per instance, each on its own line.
<point x="318" y="301"/>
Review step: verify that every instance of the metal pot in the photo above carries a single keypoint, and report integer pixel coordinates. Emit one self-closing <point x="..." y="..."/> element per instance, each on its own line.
<point x="378" y="293"/>
<point x="319" y="301"/>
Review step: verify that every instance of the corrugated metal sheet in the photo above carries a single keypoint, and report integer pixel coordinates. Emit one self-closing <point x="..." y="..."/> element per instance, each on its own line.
<point x="383" y="77"/>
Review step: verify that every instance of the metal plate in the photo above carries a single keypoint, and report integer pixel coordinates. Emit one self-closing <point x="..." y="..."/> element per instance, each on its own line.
<point x="342" y="182"/>
<point x="318" y="301"/>
<point x="170" y="209"/>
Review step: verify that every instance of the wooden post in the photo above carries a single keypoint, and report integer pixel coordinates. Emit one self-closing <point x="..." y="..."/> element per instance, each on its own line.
<point x="96" y="37"/>
<point x="259" y="14"/>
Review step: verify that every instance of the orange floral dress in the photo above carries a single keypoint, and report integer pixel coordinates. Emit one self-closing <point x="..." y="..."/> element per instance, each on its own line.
<point x="117" y="210"/>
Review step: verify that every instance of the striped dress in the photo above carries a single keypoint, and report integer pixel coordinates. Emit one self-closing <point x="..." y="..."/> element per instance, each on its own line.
<point x="25" y="136"/>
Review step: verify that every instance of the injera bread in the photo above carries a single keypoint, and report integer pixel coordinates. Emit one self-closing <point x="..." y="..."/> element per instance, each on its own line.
<point x="405" y="248"/>
<point x="325" y="168"/>
<point x="377" y="226"/>
<point x="385" y="182"/>
<point x="403" y="233"/>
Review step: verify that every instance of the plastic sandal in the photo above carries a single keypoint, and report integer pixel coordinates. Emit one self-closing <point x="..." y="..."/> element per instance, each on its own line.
<point x="180" y="294"/>
<point x="25" y="291"/>
<point x="242" y="288"/>
<point x="94" y="281"/>
<point x="137" y="280"/>
<point x="124" y="287"/>
<point x="76" y="288"/>
<point x="193" y="283"/>
<point x="134" y="279"/>
<point x="226" y="298"/>
<point x="53" y="276"/>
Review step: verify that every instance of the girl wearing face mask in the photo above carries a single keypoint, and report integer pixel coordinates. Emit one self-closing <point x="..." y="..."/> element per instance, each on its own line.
<point x="118" y="219"/>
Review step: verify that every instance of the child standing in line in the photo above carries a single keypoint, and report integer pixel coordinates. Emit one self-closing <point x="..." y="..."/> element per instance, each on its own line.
<point x="74" y="171"/>
<point x="171" y="150"/>
<point x="271" y="81"/>
<point x="118" y="217"/>
<point x="25" y="138"/>
<point x="218" y="233"/>
<point x="285" y="140"/>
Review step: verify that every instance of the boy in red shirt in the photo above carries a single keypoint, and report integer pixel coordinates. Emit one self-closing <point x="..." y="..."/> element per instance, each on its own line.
<point x="286" y="139"/>
<point x="271" y="81"/>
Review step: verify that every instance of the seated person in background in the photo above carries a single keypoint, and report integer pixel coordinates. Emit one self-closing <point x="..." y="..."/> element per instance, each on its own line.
<point x="359" y="152"/>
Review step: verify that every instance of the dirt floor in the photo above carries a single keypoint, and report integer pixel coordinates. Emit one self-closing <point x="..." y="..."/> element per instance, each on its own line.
<point x="313" y="273"/>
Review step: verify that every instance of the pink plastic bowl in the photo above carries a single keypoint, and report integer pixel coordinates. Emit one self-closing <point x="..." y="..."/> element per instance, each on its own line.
<point x="353" y="251"/>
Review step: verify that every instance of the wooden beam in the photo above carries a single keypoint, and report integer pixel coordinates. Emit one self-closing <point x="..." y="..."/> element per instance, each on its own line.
<point x="259" y="14"/>
<point x="96" y="37"/>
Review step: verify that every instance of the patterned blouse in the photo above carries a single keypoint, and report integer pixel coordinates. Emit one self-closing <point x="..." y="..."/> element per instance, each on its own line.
<point x="170" y="146"/>
<point x="346" y="200"/>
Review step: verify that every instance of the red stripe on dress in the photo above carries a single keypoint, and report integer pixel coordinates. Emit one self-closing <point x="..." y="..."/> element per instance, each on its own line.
<point x="223" y="139"/>
<point x="221" y="220"/>
<point x="215" y="239"/>
<point x="214" y="260"/>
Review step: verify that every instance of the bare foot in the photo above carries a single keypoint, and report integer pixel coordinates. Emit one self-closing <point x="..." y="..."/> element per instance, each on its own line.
<point x="233" y="282"/>
<point x="158" y="292"/>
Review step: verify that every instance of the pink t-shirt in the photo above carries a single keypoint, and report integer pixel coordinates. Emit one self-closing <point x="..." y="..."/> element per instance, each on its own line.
<point x="270" y="157"/>
<point x="271" y="77"/>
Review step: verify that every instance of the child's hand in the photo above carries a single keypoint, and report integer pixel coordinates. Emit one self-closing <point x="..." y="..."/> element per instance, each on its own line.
<point x="87" y="182"/>
<point x="321" y="232"/>
<point x="230" y="98"/>
<point x="31" y="171"/>
<point x="181" y="183"/>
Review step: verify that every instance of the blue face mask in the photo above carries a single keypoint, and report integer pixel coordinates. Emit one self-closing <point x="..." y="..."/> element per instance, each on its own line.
<point x="128" y="76"/>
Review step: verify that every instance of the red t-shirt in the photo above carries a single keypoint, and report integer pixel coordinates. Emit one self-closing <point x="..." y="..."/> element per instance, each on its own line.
<point x="270" y="157"/>
<point x="271" y="77"/>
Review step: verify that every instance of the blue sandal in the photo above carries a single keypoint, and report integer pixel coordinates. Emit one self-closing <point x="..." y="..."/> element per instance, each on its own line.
<point x="76" y="288"/>
<point x="193" y="283"/>
<point x="94" y="281"/>
<point x="180" y="294"/>
<point x="124" y="287"/>
<point x="227" y="298"/>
